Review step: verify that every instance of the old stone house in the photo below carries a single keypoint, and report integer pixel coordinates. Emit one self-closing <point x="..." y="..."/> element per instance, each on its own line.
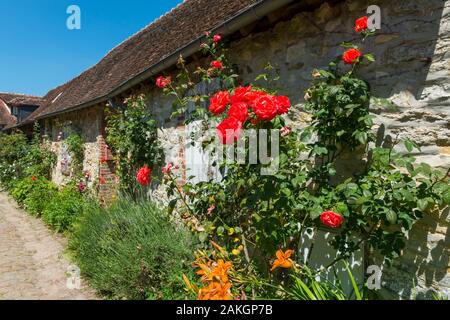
<point x="15" y="108"/>
<point x="410" y="78"/>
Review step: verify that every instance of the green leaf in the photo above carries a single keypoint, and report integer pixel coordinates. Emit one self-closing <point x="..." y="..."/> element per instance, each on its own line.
<point x="391" y="216"/>
<point x="446" y="197"/>
<point x="422" y="204"/>
<point x="315" y="212"/>
<point x="220" y="231"/>
<point x="370" y="57"/>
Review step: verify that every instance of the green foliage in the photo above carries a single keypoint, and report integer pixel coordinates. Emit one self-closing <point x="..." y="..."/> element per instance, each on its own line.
<point x="20" y="158"/>
<point x="306" y="285"/>
<point x="132" y="135"/>
<point x="133" y="250"/>
<point x="13" y="150"/>
<point x="379" y="203"/>
<point x="64" y="208"/>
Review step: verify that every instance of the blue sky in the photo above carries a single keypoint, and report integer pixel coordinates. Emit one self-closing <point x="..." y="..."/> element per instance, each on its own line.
<point x="38" y="52"/>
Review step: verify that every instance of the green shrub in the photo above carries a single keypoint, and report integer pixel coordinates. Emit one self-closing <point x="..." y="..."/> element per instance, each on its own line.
<point x="64" y="208"/>
<point x="132" y="250"/>
<point x="39" y="196"/>
<point x="33" y="193"/>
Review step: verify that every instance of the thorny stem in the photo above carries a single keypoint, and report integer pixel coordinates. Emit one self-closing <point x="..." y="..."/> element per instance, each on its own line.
<point x="181" y="194"/>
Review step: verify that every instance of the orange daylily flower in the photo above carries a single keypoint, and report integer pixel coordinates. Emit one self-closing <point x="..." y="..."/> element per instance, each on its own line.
<point x="283" y="260"/>
<point x="218" y="271"/>
<point x="215" y="291"/>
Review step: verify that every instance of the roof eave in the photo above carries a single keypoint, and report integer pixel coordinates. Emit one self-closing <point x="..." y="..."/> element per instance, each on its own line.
<point x="242" y="19"/>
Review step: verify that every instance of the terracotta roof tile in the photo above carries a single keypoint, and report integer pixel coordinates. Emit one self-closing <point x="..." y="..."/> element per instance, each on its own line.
<point x="9" y="100"/>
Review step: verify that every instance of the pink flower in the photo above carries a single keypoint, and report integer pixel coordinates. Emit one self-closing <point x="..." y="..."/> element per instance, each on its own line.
<point x="81" y="187"/>
<point x="143" y="176"/>
<point x="162" y="82"/>
<point x="167" y="169"/>
<point x="216" y="64"/>
<point x="217" y="38"/>
<point x="286" y="131"/>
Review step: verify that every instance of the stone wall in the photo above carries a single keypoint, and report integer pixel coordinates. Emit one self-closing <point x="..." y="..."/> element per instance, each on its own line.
<point x="89" y="124"/>
<point x="411" y="81"/>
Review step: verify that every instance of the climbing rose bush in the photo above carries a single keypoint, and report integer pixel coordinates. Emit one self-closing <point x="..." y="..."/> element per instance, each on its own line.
<point x="255" y="215"/>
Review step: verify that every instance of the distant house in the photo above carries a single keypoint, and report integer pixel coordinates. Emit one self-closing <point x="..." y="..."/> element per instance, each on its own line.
<point x="16" y="108"/>
<point x="410" y="77"/>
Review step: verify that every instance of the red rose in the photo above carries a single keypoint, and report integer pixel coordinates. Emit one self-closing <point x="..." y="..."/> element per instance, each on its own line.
<point x="143" y="176"/>
<point x="332" y="219"/>
<point x="242" y="94"/>
<point x="219" y="102"/>
<point x="216" y="64"/>
<point x="265" y="107"/>
<point x="351" y="56"/>
<point x="162" y="82"/>
<point x="362" y="24"/>
<point x="229" y="130"/>
<point x="239" y="111"/>
<point x="101" y="181"/>
<point x="284" y="104"/>
<point x="217" y="38"/>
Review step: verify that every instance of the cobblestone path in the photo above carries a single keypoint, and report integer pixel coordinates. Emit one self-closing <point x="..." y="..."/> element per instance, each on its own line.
<point x="32" y="266"/>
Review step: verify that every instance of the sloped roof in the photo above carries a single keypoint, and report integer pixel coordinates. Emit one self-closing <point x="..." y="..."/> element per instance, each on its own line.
<point x="182" y="25"/>
<point x="5" y="116"/>
<point x="17" y="100"/>
<point x="9" y="100"/>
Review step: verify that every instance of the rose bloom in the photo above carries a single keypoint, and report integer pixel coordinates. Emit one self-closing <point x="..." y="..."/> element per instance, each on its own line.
<point x="239" y="111"/>
<point x="162" y="82"/>
<point x="362" y="24"/>
<point x="265" y="107"/>
<point x="167" y="169"/>
<point x="101" y="181"/>
<point x="351" y="56"/>
<point x="284" y="104"/>
<point x="216" y="64"/>
<point x="143" y="176"/>
<point x="332" y="219"/>
<point x="219" y="102"/>
<point x="217" y="38"/>
<point x="229" y="130"/>
<point x="242" y="94"/>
